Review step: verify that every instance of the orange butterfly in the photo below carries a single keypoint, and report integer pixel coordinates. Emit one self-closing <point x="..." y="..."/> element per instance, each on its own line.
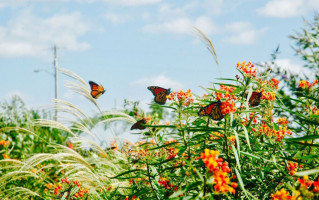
<point x="139" y="124"/>
<point x="96" y="90"/>
<point x="212" y="110"/>
<point x="254" y="99"/>
<point x="160" y="94"/>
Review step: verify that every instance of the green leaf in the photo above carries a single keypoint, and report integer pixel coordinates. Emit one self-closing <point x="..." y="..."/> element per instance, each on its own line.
<point x="237" y="142"/>
<point x="236" y="157"/>
<point x="304" y="138"/>
<point x="246" y="135"/>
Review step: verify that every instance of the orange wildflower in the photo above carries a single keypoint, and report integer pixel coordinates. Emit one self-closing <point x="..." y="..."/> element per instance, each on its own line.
<point x="292" y="167"/>
<point x="181" y="97"/>
<point x="274" y="83"/>
<point x="227" y="107"/>
<point x="4" y="143"/>
<point x="282" y="195"/>
<point x="225" y="88"/>
<point x="6" y="156"/>
<point x="305" y="84"/>
<point x="282" y="121"/>
<point x="220" y="171"/>
<point x="247" y="68"/>
<point x="270" y="96"/>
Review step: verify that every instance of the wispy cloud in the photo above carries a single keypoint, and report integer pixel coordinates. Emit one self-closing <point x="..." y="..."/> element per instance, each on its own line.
<point x="117" y="18"/>
<point x="242" y="33"/>
<point x="288" y="8"/>
<point x="180" y="20"/>
<point x="29" y="35"/>
<point x="293" y="68"/>
<point x="126" y="2"/>
<point x="160" y="80"/>
<point x="7" y="3"/>
<point x="182" y="26"/>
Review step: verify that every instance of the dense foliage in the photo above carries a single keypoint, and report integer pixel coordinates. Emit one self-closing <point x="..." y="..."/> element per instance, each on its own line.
<point x="250" y="137"/>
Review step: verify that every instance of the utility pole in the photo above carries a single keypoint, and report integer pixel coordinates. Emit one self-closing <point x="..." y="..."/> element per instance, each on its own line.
<point x="55" y="65"/>
<point x="55" y="75"/>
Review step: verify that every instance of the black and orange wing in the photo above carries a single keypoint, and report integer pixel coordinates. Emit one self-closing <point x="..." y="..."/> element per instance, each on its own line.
<point x="160" y="94"/>
<point x="161" y="98"/>
<point x="96" y="89"/>
<point x="254" y="99"/>
<point x="139" y="125"/>
<point x="212" y="110"/>
<point x="156" y="90"/>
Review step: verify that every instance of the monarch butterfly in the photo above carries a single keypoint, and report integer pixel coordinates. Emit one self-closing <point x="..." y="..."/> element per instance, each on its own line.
<point x="212" y="110"/>
<point x="139" y="124"/>
<point x="96" y="90"/>
<point x="254" y="99"/>
<point x="160" y="94"/>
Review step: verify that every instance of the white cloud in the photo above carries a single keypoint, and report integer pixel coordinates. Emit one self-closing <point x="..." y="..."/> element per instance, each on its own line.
<point x="117" y="18"/>
<point x="6" y="3"/>
<point x="288" y="8"/>
<point x="160" y="80"/>
<point x="182" y="26"/>
<point x="126" y="2"/>
<point x="168" y="11"/>
<point x="177" y="20"/>
<point x="293" y="68"/>
<point x="29" y="35"/>
<point x="242" y="33"/>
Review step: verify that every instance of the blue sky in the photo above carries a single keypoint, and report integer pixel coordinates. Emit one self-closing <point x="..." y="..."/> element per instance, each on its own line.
<point x="127" y="45"/>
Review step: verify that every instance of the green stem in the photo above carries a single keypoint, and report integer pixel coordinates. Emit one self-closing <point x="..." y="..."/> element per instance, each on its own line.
<point x="150" y="181"/>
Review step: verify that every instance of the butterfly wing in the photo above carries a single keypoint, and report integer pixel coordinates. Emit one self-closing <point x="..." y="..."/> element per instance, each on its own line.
<point x="212" y="110"/>
<point x="254" y="100"/>
<point x="216" y="113"/>
<point x="139" y="125"/>
<point x="156" y="90"/>
<point x="96" y="89"/>
<point x="160" y="94"/>
<point x="161" y="98"/>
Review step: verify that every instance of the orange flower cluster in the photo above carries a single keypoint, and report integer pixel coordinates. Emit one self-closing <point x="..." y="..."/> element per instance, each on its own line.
<point x="133" y="198"/>
<point x="307" y="185"/>
<point x="270" y="96"/>
<point x="225" y="88"/>
<point x="227" y="107"/>
<point x="59" y="186"/>
<point x="70" y="145"/>
<point x="181" y="97"/>
<point x="220" y="171"/>
<point x="280" y="134"/>
<point x="282" y="121"/>
<point x="307" y="189"/>
<point x="165" y="183"/>
<point x="4" y="143"/>
<point x="247" y="68"/>
<point x="232" y="139"/>
<point x="226" y="96"/>
<point x="314" y="110"/>
<point x="292" y="167"/>
<point x="274" y="83"/>
<point x="246" y="121"/>
<point x="305" y="84"/>
<point x="215" y="135"/>
<point x="283" y="195"/>
<point x="6" y="156"/>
